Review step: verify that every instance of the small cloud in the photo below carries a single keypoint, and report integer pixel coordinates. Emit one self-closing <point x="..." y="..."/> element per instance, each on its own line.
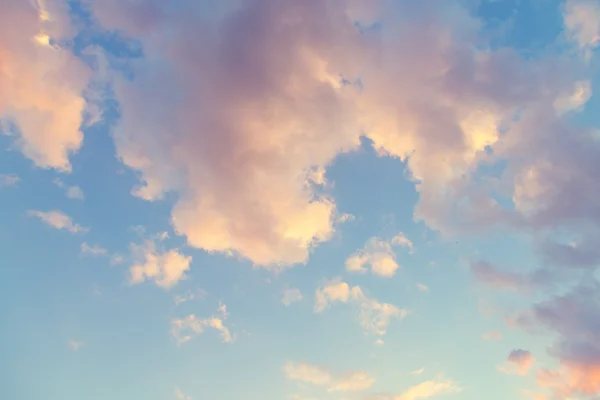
<point x="373" y="315"/>
<point x="346" y="218"/>
<point x="75" y="192"/>
<point x="401" y="240"/>
<point x="9" y="180"/>
<point x="58" y="220"/>
<point x="117" y="259"/>
<point x="184" y="330"/>
<point x="354" y="381"/>
<point x="189" y="296"/>
<point x="72" y="192"/>
<point x="492" y="336"/>
<point x="418" y="372"/>
<point x="93" y="250"/>
<point x="165" y="268"/>
<point x="290" y="296"/>
<point x="422" y="288"/>
<point x="378" y="255"/>
<point x="519" y="362"/>
<point x="436" y="387"/>
<point x="379" y="342"/>
<point x="74" y="344"/>
<point x="180" y="396"/>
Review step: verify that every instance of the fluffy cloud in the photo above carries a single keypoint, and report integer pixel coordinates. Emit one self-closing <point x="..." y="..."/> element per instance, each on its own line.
<point x="348" y="382"/>
<point x="240" y="140"/>
<point x="58" y="220"/>
<point x="582" y="20"/>
<point x="165" y="268"/>
<point x="575" y="319"/>
<point x="41" y="83"/>
<point x="183" y="330"/>
<point x="290" y="296"/>
<point x="378" y="255"/>
<point x="518" y="362"/>
<point x="373" y="315"/>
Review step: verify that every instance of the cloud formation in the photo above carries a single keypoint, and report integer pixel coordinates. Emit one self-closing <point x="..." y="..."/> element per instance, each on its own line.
<point x="58" y="220"/>
<point x="378" y="255"/>
<point x="354" y="381"/>
<point x="290" y="296"/>
<point x="9" y="180"/>
<point x="185" y="329"/>
<point x="165" y="268"/>
<point x="518" y="362"/>
<point x="41" y="83"/>
<point x="373" y="315"/>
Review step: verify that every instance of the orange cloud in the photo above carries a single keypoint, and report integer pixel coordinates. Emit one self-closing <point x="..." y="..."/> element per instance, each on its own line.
<point x="41" y="84"/>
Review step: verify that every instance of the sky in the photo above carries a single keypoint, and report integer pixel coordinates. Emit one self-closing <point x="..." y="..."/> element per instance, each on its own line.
<point x="299" y="200"/>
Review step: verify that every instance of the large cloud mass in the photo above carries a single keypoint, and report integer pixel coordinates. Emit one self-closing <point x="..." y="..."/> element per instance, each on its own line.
<point x="41" y="84"/>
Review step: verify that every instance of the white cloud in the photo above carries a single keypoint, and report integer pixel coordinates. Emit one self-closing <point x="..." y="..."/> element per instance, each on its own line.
<point x="9" y="180"/>
<point x="58" y="220"/>
<point x="290" y="296"/>
<point x="418" y="371"/>
<point x="374" y="316"/>
<point x="185" y="329"/>
<point x="165" y="268"/>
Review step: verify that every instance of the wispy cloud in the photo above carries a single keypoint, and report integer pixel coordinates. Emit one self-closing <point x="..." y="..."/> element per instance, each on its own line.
<point x="354" y="381"/>
<point x="9" y="180"/>
<point x="58" y="220"/>
<point x="291" y="295"/>
<point x="373" y="315"/>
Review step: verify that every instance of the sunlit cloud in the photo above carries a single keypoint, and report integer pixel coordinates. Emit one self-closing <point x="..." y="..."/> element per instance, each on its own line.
<point x="58" y="220"/>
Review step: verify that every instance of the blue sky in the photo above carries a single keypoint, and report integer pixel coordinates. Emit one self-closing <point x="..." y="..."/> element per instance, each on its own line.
<point x="195" y="207"/>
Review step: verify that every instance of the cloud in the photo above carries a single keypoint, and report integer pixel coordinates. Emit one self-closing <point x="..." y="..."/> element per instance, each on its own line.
<point x="492" y="336"/>
<point x="290" y="296"/>
<point x="582" y="22"/>
<point x="489" y="275"/>
<point x="43" y="83"/>
<point x="418" y="372"/>
<point x="436" y="387"/>
<point x="93" y="250"/>
<point x="574" y="319"/>
<point x="58" y="220"/>
<point x="9" y="180"/>
<point x="518" y="362"/>
<point x="354" y="381"/>
<point x="422" y="287"/>
<point x="179" y="395"/>
<point x="74" y="345"/>
<point x="183" y="330"/>
<point x="165" y="268"/>
<point x="378" y="255"/>
<point x="72" y="192"/>
<point x="373" y="315"/>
